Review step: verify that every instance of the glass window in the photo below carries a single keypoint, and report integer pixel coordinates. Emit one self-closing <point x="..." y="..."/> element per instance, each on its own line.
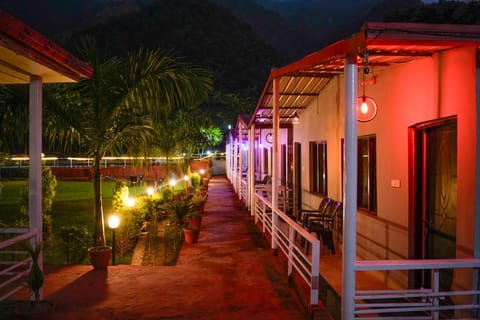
<point x="367" y="177"/>
<point x="318" y="166"/>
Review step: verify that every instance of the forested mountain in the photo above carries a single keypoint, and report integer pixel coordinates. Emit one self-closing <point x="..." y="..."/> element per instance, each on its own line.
<point x="238" y="40"/>
<point x="199" y="31"/>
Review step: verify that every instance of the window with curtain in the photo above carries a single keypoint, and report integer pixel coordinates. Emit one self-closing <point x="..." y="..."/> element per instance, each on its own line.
<point x="318" y="167"/>
<point x="367" y="177"/>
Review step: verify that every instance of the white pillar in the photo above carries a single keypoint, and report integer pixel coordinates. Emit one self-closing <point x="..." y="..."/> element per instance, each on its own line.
<point x="35" y="170"/>
<point x="235" y="165"/>
<point x="350" y="187"/>
<point x="476" y="233"/>
<point x="251" y="169"/>
<point x="275" y="157"/>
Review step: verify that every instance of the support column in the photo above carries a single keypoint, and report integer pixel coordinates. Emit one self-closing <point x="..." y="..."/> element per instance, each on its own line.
<point x="251" y="169"/>
<point x="240" y="160"/>
<point x="476" y="231"/>
<point x="350" y="187"/>
<point x="35" y="170"/>
<point x="235" y="165"/>
<point x="275" y="157"/>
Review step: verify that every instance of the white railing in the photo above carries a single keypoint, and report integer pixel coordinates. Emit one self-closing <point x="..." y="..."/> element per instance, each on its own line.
<point x="14" y="263"/>
<point x="422" y="303"/>
<point x="243" y="189"/>
<point x="284" y="238"/>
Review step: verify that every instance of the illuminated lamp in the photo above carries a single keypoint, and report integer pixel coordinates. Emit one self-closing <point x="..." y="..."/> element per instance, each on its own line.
<point x="366" y="109"/>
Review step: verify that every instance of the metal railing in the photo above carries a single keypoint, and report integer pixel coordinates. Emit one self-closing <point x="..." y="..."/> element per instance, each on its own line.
<point x="284" y="231"/>
<point x="14" y="265"/>
<point x="243" y="189"/>
<point x="423" y="303"/>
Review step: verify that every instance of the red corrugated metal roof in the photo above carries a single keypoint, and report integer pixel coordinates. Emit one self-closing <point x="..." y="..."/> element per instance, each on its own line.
<point x="25" y="52"/>
<point x="386" y="44"/>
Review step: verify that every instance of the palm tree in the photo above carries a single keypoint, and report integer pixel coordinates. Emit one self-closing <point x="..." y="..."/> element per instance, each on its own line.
<point x="13" y="118"/>
<point x="112" y="112"/>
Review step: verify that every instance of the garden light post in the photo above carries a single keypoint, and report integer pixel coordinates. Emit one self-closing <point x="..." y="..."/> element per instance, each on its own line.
<point x="113" y="223"/>
<point x="150" y="191"/>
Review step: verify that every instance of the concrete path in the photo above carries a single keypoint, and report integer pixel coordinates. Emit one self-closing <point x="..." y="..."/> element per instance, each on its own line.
<point x="230" y="274"/>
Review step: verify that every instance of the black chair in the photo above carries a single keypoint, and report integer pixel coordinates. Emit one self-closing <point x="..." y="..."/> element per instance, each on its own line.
<point x="304" y="215"/>
<point x="323" y="225"/>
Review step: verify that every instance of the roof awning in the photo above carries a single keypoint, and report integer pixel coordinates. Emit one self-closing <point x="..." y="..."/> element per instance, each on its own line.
<point x="25" y="53"/>
<point x="385" y="44"/>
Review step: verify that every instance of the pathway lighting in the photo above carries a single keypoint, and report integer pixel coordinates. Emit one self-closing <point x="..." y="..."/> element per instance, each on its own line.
<point x="130" y="202"/>
<point x="150" y="191"/>
<point x="172" y="183"/>
<point x="113" y="223"/>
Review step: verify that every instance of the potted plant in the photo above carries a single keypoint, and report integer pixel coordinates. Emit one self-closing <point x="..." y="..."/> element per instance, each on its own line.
<point x="37" y="308"/>
<point x="100" y="256"/>
<point x="194" y="219"/>
<point x="191" y="234"/>
<point x="181" y="209"/>
<point x="178" y="209"/>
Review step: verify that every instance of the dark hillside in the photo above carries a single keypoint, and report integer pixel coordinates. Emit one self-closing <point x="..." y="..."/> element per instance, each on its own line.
<point x="201" y="32"/>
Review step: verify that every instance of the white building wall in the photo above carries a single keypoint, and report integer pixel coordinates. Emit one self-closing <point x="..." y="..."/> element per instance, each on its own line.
<point x="406" y="94"/>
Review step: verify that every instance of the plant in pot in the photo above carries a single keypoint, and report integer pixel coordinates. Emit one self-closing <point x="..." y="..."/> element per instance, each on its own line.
<point x="179" y="210"/>
<point x="37" y="309"/>
<point x="191" y="234"/>
<point x="194" y="219"/>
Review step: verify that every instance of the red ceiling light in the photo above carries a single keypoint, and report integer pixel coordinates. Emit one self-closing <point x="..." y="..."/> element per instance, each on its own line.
<point x="366" y="109"/>
<point x="366" y="106"/>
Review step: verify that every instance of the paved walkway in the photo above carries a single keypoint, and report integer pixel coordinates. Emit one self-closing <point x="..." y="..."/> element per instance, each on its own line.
<point x="230" y="274"/>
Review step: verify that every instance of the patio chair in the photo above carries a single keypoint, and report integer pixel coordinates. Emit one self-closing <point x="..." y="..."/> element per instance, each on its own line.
<point x="323" y="225"/>
<point x="304" y="215"/>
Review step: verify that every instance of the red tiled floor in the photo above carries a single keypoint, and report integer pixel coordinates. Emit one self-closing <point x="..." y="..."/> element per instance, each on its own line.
<point x="229" y="274"/>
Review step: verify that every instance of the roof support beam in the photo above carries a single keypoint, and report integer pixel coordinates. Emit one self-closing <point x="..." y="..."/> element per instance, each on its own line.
<point x="276" y="158"/>
<point x="350" y="187"/>
<point x="35" y="172"/>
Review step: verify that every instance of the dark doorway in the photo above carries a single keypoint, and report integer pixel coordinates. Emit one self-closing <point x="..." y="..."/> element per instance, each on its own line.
<point x="433" y="212"/>
<point x="297" y="182"/>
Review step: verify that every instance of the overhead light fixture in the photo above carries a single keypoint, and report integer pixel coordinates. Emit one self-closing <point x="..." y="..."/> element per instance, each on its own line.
<point x="295" y="118"/>
<point x="366" y="106"/>
<point x="366" y="109"/>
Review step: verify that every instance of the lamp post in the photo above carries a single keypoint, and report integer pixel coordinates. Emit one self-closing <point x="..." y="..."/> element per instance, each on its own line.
<point x="113" y="223"/>
<point x="150" y="191"/>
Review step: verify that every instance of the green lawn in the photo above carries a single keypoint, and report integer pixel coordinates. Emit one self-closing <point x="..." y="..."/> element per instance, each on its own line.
<point x="73" y="206"/>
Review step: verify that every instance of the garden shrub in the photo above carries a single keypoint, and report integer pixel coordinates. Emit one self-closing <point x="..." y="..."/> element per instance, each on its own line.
<point x="75" y="243"/>
<point x="120" y="194"/>
<point x="167" y="193"/>
<point x="49" y="190"/>
<point x="196" y="180"/>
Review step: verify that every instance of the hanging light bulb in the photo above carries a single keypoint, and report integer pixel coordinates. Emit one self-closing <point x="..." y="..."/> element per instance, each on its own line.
<point x="366" y="109"/>
<point x="364" y="106"/>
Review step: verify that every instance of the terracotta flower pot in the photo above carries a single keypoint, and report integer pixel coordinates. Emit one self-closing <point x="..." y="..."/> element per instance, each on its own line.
<point x="191" y="235"/>
<point x="100" y="257"/>
<point x="195" y="222"/>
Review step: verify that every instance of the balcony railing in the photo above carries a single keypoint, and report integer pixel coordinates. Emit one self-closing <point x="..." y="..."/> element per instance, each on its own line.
<point x="422" y="303"/>
<point x="14" y="265"/>
<point x="283" y="231"/>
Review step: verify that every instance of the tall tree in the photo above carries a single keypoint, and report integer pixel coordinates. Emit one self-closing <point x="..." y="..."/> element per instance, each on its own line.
<point x="112" y="112"/>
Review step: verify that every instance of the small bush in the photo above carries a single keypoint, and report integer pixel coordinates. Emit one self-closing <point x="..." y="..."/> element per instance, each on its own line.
<point x="196" y="180"/>
<point x="75" y="242"/>
<point x="120" y="194"/>
<point x="167" y="193"/>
